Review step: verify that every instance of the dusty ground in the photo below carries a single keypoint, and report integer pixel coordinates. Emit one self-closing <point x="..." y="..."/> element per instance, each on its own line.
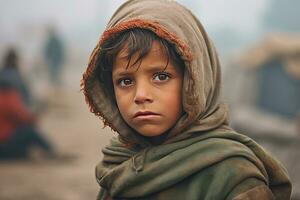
<point x="72" y="129"/>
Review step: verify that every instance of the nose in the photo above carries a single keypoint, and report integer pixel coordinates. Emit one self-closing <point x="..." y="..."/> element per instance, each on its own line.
<point x="143" y="94"/>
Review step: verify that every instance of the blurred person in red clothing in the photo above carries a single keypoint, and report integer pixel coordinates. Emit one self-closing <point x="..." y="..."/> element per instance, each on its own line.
<point x="18" y="132"/>
<point x="11" y="72"/>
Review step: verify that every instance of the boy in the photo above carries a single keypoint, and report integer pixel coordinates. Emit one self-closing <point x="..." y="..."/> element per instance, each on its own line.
<point x="154" y="78"/>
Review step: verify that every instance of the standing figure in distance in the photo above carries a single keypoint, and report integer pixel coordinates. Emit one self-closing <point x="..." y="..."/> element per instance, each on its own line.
<point x="54" y="57"/>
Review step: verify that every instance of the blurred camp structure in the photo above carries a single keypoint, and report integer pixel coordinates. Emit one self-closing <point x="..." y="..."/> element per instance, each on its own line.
<point x="262" y="86"/>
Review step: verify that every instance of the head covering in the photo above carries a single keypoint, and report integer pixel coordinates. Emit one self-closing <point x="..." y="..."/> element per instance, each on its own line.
<point x="202" y="75"/>
<point x="199" y="142"/>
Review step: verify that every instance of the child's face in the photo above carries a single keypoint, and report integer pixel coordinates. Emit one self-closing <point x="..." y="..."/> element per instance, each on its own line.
<point x="149" y="95"/>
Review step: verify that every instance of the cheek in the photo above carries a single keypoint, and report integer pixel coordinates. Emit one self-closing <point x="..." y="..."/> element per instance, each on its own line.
<point x="173" y="103"/>
<point x="173" y="99"/>
<point x="123" y="102"/>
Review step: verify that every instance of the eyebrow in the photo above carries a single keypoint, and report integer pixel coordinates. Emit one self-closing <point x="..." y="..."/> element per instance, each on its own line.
<point x="121" y="74"/>
<point x="154" y="68"/>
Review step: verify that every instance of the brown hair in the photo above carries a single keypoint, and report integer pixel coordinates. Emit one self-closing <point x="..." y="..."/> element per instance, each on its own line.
<point x="137" y="40"/>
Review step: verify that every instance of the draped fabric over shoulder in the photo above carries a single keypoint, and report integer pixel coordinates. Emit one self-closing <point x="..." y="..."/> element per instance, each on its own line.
<point x="201" y="153"/>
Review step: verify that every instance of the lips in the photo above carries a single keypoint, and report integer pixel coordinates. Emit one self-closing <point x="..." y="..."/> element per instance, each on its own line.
<point x="143" y="114"/>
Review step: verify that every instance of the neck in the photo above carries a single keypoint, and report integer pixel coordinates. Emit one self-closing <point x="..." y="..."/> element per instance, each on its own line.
<point x="157" y="140"/>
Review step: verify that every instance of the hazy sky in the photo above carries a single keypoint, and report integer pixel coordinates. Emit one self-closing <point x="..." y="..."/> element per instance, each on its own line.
<point x="81" y="21"/>
<point x="71" y="14"/>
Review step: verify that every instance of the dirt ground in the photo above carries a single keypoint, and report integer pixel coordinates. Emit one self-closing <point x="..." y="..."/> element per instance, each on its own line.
<point x="73" y="130"/>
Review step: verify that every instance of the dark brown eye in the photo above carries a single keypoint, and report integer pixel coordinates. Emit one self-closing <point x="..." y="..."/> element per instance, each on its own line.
<point x="125" y="82"/>
<point x="161" y="77"/>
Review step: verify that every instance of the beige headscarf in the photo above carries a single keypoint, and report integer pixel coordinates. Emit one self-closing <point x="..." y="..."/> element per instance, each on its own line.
<point x="202" y="75"/>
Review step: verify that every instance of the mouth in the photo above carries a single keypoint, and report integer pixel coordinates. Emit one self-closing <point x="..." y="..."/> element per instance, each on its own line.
<point x="145" y="114"/>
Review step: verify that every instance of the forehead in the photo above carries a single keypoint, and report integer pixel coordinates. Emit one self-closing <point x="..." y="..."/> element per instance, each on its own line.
<point x="156" y="56"/>
<point x="156" y="50"/>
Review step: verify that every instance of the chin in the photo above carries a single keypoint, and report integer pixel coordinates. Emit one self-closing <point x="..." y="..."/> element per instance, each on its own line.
<point x="150" y="132"/>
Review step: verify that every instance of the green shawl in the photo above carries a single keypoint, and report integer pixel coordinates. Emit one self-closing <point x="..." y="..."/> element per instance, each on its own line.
<point x="202" y="157"/>
<point x="211" y="165"/>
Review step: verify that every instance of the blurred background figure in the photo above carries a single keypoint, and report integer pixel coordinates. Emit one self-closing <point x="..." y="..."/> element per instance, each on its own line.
<point x="18" y="133"/>
<point x="54" y="56"/>
<point x="10" y="71"/>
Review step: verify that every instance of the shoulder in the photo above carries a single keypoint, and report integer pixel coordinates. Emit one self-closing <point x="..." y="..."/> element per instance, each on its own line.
<point x="229" y="177"/>
<point x="257" y="192"/>
<point x="235" y="170"/>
